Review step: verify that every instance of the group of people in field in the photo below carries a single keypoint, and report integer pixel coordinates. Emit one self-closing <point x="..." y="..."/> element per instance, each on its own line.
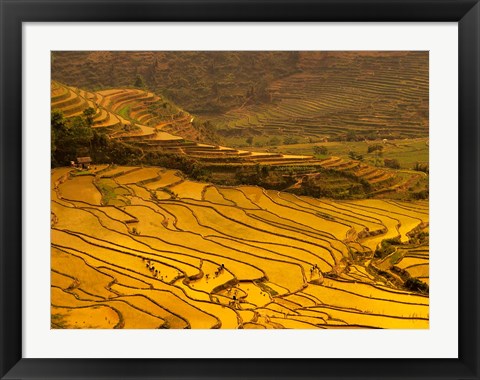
<point x="151" y="267"/>
<point x="235" y="301"/>
<point x="217" y="273"/>
<point x="219" y="270"/>
<point x="314" y="269"/>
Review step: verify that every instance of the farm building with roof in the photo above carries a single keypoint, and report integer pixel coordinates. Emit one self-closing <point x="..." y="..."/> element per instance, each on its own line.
<point x="84" y="162"/>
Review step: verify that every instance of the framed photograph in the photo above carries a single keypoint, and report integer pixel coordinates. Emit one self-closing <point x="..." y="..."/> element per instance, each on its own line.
<point x="247" y="190"/>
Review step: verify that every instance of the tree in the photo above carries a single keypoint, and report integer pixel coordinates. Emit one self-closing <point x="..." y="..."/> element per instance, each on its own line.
<point x="249" y="140"/>
<point x="53" y="146"/>
<point x="139" y="82"/>
<point x="68" y="137"/>
<point x="421" y="167"/>
<point x="414" y="284"/>
<point x="290" y="140"/>
<point x="57" y="128"/>
<point x="89" y="113"/>
<point x="422" y="194"/>
<point x="391" y="163"/>
<point x="320" y="150"/>
<point x="99" y="140"/>
<point x="351" y="135"/>
<point x="80" y="132"/>
<point x="57" y="121"/>
<point x="374" y="148"/>
<point x="355" y="156"/>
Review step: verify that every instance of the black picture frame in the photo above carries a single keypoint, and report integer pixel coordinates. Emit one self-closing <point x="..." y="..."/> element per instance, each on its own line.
<point x="15" y="12"/>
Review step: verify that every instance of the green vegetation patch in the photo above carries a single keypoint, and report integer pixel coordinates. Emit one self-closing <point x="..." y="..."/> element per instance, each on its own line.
<point x="266" y="288"/>
<point x="125" y="112"/>
<point x="387" y="247"/>
<point x="107" y="188"/>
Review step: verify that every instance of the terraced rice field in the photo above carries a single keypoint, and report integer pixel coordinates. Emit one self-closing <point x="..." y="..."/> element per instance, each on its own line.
<point x="153" y="124"/>
<point x="146" y="248"/>
<point x="339" y="94"/>
<point x="148" y="121"/>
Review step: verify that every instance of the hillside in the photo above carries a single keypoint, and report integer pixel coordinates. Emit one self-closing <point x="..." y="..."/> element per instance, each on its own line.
<point x="341" y="97"/>
<point x="137" y="247"/>
<point x="126" y="112"/>
<point x="239" y="190"/>
<point x="200" y="82"/>
<point x="311" y="95"/>
<point x="146" y="127"/>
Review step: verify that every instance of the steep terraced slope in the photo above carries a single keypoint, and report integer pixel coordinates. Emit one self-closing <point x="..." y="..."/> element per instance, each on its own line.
<point x="341" y="96"/>
<point x="144" y="247"/>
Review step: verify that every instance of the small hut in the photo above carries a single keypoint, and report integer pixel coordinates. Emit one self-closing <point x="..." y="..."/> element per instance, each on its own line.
<point x="84" y="162"/>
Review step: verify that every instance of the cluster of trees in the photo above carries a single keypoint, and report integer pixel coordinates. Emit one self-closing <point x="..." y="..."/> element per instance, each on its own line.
<point x="324" y="185"/>
<point x="391" y="163"/>
<point x="289" y="140"/>
<point x="139" y="82"/>
<point x="75" y="136"/>
<point x="415" y="285"/>
<point x="320" y="150"/>
<point x="422" y="194"/>
<point x="375" y="148"/>
<point x="313" y="188"/>
<point x="387" y="247"/>
<point x="184" y="163"/>
<point x="420" y="238"/>
<point x="263" y="175"/>
<point x="70" y="136"/>
<point x="366" y="134"/>
<point x="162" y="109"/>
<point x="419" y="167"/>
<point x="355" y="156"/>
<point x="208" y="131"/>
<point x="351" y="136"/>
